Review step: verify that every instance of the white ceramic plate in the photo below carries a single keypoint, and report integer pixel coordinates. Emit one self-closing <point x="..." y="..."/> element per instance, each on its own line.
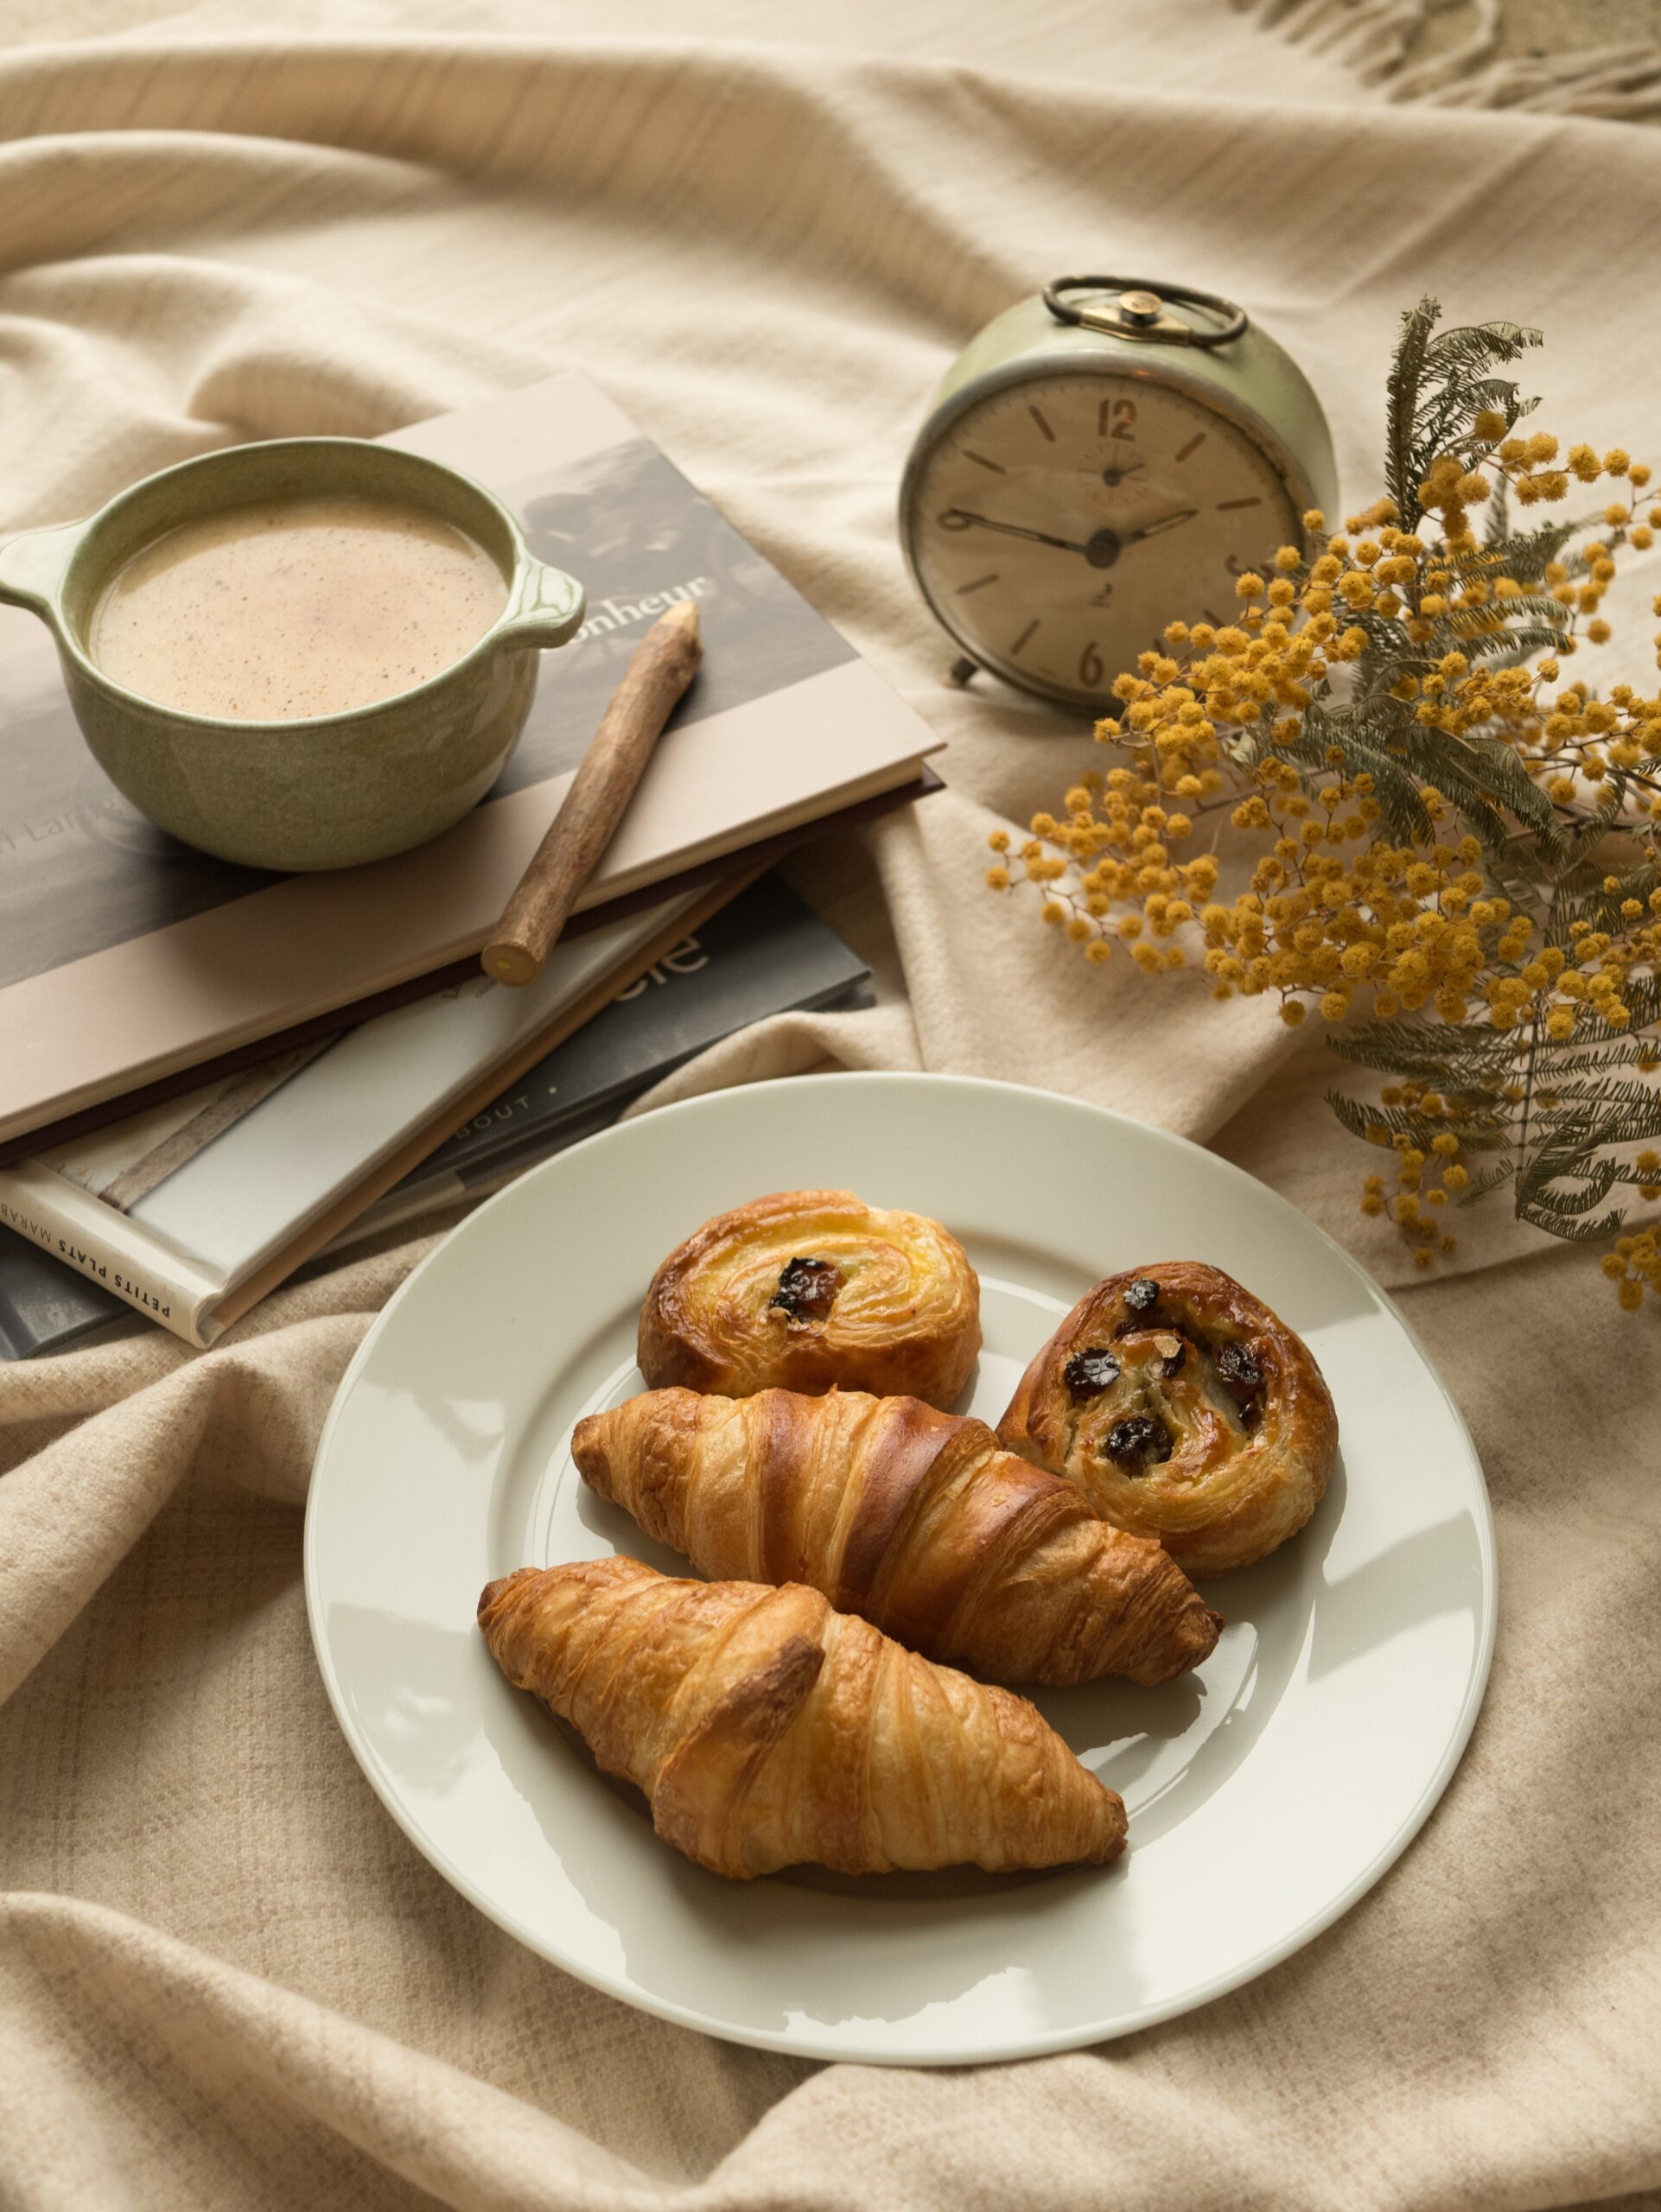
<point x="1266" y="1793"/>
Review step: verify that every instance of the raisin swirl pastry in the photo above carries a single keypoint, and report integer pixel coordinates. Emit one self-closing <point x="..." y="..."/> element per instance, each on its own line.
<point x="813" y="1291"/>
<point x="1184" y="1410"/>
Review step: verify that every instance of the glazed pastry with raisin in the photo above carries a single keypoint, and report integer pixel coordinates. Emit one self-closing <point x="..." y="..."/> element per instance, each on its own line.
<point x="810" y="1291"/>
<point x="766" y="1730"/>
<point x="1183" y="1409"/>
<point x="912" y="1517"/>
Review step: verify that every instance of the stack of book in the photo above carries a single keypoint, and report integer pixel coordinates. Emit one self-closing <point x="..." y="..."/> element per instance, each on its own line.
<point x="210" y="1074"/>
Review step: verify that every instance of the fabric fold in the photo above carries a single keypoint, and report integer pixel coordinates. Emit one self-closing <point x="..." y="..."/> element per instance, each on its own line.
<point x="225" y="1976"/>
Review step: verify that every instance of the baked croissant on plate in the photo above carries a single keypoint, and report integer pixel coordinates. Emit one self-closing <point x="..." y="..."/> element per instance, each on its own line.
<point x="913" y="1517"/>
<point x="811" y="1290"/>
<point x="1183" y="1409"/>
<point x="766" y="1730"/>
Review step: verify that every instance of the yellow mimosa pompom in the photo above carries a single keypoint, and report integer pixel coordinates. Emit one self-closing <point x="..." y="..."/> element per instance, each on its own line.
<point x="1393" y="784"/>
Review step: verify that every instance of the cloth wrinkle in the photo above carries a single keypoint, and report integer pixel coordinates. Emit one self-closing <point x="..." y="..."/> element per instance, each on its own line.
<point x="227" y="1980"/>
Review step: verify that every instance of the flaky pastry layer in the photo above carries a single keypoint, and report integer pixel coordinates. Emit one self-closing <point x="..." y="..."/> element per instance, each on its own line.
<point x="914" y="1518"/>
<point x="812" y="1290"/>
<point x="1185" y="1410"/>
<point x="766" y="1730"/>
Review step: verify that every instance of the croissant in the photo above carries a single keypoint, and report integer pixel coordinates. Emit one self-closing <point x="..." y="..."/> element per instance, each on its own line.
<point x="912" y="1517"/>
<point x="809" y="1290"/>
<point x="766" y="1730"/>
<point x="1184" y="1410"/>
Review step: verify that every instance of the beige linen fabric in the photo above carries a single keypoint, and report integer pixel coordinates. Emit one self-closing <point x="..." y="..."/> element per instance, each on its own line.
<point x="226" y="1979"/>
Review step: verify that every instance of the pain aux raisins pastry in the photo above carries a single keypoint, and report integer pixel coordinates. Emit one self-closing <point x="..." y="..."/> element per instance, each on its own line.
<point x="813" y="1291"/>
<point x="1185" y="1410"/>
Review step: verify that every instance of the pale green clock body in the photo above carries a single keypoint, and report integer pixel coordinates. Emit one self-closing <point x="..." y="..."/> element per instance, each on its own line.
<point x="1074" y="489"/>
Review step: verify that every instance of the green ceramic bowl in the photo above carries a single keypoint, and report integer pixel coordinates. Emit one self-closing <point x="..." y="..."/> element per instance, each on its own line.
<point x="332" y="790"/>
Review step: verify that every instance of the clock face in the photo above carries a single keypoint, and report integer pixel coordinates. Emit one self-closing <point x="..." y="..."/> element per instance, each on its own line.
<point x="1060" y="524"/>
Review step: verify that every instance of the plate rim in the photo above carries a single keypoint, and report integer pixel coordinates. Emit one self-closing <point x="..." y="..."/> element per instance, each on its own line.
<point x="786" y="2041"/>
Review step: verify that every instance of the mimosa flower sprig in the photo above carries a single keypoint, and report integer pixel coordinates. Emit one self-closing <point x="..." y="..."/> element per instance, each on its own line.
<point x="1453" y="847"/>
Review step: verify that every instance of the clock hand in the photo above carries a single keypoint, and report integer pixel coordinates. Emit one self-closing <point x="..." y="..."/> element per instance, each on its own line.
<point x="1102" y="549"/>
<point x="964" y="515"/>
<point x="1154" y="529"/>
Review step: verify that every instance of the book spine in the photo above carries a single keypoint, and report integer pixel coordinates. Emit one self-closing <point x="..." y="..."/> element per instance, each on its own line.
<point x="61" y="1218"/>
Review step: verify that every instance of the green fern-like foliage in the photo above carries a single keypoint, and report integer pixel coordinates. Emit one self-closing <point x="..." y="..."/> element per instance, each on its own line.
<point x="1562" y="1121"/>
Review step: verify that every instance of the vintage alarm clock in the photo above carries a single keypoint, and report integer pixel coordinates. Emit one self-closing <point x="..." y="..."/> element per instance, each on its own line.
<point x="1105" y="458"/>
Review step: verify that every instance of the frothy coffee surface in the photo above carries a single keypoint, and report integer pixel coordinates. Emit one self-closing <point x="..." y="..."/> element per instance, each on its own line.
<point x="290" y="607"/>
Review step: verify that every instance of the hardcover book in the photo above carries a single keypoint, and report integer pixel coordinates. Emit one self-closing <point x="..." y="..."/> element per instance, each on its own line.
<point x="192" y="1211"/>
<point x="46" y="1307"/>
<point x="765" y="953"/>
<point x="125" y="956"/>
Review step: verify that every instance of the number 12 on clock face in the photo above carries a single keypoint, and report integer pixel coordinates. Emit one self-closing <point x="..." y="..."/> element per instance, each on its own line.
<point x="1058" y="525"/>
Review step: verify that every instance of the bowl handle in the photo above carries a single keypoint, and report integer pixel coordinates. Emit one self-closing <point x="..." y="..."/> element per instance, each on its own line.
<point x="545" y="609"/>
<point x="33" y="567"/>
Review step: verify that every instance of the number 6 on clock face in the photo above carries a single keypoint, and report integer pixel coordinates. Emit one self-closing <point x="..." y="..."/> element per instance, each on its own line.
<point x="1074" y="491"/>
<point x="1061" y="524"/>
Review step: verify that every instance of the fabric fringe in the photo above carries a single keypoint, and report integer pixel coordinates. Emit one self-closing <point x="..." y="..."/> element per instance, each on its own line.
<point x="1376" y="39"/>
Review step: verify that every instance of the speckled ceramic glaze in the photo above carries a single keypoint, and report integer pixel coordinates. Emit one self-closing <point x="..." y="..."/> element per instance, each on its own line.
<point x="334" y="789"/>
